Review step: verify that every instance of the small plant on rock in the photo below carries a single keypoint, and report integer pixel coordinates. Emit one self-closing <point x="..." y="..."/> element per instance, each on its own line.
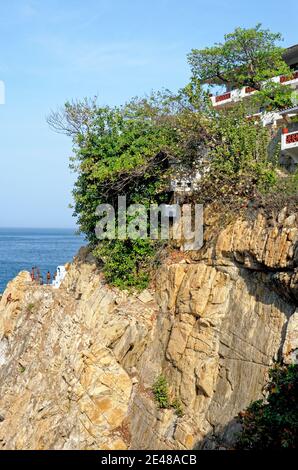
<point x="21" y="368"/>
<point x="177" y="405"/>
<point x="30" y="307"/>
<point x="161" y="392"/>
<point x="162" y="396"/>
<point x="272" y="423"/>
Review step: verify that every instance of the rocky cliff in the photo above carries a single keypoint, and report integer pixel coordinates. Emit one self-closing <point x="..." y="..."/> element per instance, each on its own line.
<point x="77" y="364"/>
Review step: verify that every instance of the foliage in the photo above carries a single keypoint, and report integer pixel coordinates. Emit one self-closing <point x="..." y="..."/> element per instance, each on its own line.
<point x="162" y="396"/>
<point x="134" y="149"/>
<point x="161" y="392"/>
<point x="127" y="262"/>
<point x="121" y="153"/>
<point x="284" y="193"/>
<point x="177" y="405"/>
<point x="247" y="57"/>
<point x="239" y="162"/>
<point x="21" y="368"/>
<point x="273" y="423"/>
<point x="130" y="150"/>
<point x="241" y="144"/>
<point x="30" y="307"/>
<point x="288" y="185"/>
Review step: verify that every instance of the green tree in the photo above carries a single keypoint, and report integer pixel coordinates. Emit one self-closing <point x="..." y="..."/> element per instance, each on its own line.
<point x="247" y="57"/>
<point x="117" y="151"/>
<point x="134" y="149"/>
<point x="273" y="423"/>
<point x="238" y="164"/>
<point x="127" y="150"/>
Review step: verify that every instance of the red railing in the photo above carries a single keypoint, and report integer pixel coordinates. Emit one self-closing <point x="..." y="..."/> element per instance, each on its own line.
<point x="249" y="89"/>
<point x="224" y="97"/>
<point x="292" y="138"/>
<point x="288" y="78"/>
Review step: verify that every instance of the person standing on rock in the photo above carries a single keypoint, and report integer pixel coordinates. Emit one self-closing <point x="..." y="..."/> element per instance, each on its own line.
<point x="48" y="278"/>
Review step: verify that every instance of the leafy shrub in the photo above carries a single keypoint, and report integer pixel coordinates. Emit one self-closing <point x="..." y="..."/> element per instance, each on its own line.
<point x="30" y="307"/>
<point x="127" y="262"/>
<point x="273" y="423"/>
<point x="161" y="392"/>
<point x="162" y="396"/>
<point x="177" y="405"/>
<point x="287" y="185"/>
<point x="134" y="149"/>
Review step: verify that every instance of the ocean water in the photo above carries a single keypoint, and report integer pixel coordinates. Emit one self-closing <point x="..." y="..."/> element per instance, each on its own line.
<point x="20" y="249"/>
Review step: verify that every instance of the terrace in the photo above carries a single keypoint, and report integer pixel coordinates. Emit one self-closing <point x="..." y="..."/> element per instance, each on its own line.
<point x="230" y="97"/>
<point x="289" y="144"/>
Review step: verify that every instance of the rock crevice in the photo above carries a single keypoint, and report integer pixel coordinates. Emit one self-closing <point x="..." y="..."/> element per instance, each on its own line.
<point x="77" y="364"/>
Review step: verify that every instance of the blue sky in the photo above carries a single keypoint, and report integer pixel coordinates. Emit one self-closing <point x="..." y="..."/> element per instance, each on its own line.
<point x="51" y="51"/>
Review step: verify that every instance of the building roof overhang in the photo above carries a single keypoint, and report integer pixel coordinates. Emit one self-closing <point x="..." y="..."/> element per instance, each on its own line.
<point x="290" y="55"/>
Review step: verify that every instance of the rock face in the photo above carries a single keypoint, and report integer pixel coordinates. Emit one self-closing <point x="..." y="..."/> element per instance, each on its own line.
<point x="62" y="385"/>
<point x="77" y="364"/>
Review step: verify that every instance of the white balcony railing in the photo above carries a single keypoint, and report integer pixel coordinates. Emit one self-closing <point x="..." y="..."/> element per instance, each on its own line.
<point x="237" y="95"/>
<point x="289" y="140"/>
<point x="289" y="146"/>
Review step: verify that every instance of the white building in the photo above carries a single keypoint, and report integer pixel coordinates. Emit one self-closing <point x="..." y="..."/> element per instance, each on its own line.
<point x="283" y="120"/>
<point x="61" y="273"/>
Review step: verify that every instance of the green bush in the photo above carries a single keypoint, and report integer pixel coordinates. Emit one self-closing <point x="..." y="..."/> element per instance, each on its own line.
<point x="127" y="262"/>
<point x="273" y="423"/>
<point x="288" y="185"/>
<point x="162" y="396"/>
<point x="177" y="405"/>
<point x="134" y="149"/>
<point x="30" y="307"/>
<point x="161" y="392"/>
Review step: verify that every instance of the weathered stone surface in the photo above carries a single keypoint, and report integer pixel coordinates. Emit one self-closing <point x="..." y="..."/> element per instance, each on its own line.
<point x="77" y="364"/>
<point x="290" y="347"/>
<point x="217" y="347"/>
<point x="223" y="319"/>
<point x="62" y="386"/>
<point x="145" y="297"/>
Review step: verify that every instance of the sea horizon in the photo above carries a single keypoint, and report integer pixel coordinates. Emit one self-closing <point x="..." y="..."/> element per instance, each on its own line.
<point x="21" y="248"/>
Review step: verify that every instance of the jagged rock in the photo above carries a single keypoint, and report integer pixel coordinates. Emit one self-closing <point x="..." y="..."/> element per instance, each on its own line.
<point x="59" y="372"/>
<point x="77" y="364"/>
<point x="290" y="347"/>
<point x="145" y="297"/>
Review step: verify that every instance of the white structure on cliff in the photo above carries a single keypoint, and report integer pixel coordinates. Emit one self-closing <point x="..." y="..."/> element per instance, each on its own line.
<point x="61" y="273"/>
<point x="284" y="123"/>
